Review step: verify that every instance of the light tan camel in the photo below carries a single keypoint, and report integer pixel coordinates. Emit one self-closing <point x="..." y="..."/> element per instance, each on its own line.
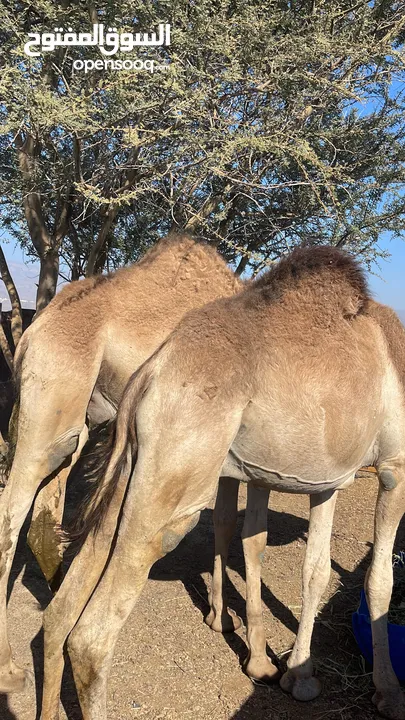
<point x="73" y="363"/>
<point x="292" y="384"/>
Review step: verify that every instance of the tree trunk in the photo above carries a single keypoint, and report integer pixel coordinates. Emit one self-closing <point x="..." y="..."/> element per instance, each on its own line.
<point x="47" y="246"/>
<point x="16" y="312"/>
<point x="48" y="278"/>
<point x="108" y="222"/>
<point x="4" y="346"/>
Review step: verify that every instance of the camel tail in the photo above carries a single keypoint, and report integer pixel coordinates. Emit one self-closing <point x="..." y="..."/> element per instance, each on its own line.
<point x="112" y="461"/>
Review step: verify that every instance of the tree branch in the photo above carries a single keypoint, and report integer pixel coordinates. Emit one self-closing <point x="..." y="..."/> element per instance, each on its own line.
<point x="16" y="311"/>
<point x="109" y="219"/>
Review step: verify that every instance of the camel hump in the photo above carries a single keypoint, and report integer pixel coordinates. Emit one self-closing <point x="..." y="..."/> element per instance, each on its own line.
<point x="322" y="273"/>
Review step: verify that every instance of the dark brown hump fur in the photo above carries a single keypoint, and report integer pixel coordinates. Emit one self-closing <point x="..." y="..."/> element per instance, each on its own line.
<point x="337" y="267"/>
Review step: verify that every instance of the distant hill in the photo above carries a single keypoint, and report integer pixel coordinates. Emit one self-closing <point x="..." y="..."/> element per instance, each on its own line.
<point x="25" y="278"/>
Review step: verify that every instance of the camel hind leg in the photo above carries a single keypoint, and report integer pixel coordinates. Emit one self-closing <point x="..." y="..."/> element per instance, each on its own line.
<point x="378" y="586"/>
<point x="174" y="479"/>
<point x="142" y="540"/>
<point x="25" y="478"/>
<point x="64" y="610"/>
<point x="299" y="679"/>
<point x="91" y="644"/>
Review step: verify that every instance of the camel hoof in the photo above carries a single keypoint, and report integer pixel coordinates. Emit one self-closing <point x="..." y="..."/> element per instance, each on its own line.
<point x="303" y="689"/>
<point x="226" y="623"/>
<point x="14" y="679"/>
<point x="261" y="670"/>
<point x="391" y="705"/>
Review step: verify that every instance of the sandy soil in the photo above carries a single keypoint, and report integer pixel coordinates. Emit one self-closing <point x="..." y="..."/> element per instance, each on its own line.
<point x="169" y="665"/>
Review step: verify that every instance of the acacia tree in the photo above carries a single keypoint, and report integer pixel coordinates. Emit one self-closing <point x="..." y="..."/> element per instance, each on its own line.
<point x="274" y="123"/>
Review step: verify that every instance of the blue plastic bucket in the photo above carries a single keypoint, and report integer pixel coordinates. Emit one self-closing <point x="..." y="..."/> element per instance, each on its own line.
<point x="396" y="637"/>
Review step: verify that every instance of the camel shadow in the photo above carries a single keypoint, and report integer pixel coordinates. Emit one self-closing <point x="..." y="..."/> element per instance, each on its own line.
<point x="35" y="582"/>
<point x="199" y="545"/>
<point x="284" y="528"/>
<point x="335" y="654"/>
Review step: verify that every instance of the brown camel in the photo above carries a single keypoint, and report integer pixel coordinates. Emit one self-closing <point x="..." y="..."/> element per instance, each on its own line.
<point x="292" y="384"/>
<point x="72" y="366"/>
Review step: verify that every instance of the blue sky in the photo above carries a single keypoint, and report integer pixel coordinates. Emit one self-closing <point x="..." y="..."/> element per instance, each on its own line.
<point x="389" y="288"/>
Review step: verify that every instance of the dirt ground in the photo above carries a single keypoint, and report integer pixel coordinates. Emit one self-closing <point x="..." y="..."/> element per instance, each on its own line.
<point x="168" y="665"/>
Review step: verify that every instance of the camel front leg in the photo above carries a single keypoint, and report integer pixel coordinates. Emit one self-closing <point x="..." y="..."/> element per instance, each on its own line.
<point x="299" y="679"/>
<point x="254" y="539"/>
<point x="43" y="537"/>
<point x="378" y="586"/>
<point x="225" y="517"/>
<point x="26" y="475"/>
<point x="40" y="451"/>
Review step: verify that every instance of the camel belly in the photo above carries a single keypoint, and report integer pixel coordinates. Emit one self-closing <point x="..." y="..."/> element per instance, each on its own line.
<point x="261" y="476"/>
<point x="294" y="453"/>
